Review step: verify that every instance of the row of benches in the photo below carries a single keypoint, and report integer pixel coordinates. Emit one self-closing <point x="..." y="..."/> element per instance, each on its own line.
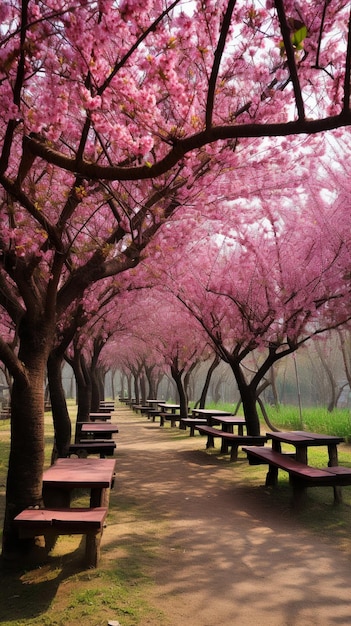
<point x="51" y="522"/>
<point x="84" y="447"/>
<point x="301" y="476"/>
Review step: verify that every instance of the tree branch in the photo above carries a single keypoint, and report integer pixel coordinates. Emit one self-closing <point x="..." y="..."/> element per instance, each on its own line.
<point x="290" y="54"/>
<point x="93" y="171"/>
<point x="347" y="70"/>
<point x="217" y="61"/>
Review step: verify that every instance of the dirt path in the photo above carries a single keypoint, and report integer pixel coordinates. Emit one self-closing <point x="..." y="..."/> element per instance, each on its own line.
<point x="225" y="555"/>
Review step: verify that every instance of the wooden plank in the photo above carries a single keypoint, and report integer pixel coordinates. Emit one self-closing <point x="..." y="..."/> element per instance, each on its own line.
<point x="53" y="522"/>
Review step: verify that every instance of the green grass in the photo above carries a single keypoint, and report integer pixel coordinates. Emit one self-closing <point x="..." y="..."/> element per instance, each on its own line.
<point x="314" y="419"/>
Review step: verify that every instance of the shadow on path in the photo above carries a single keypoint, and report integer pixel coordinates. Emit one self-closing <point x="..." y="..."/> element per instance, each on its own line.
<point x="226" y="553"/>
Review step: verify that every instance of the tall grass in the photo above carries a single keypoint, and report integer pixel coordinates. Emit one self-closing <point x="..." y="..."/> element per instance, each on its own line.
<point x="313" y="419"/>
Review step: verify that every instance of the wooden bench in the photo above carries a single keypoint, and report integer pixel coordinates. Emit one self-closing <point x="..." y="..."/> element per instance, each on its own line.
<point x="192" y="422"/>
<point x="301" y="476"/>
<point x="103" y="447"/>
<point x="230" y="440"/>
<point x="170" y="417"/>
<point x="53" y="522"/>
<point x="99" y="417"/>
<point x="152" y="414"/>
<point x="140" y="408"/>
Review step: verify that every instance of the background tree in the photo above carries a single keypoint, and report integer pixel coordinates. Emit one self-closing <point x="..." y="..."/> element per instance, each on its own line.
<point x="277" y="280"/>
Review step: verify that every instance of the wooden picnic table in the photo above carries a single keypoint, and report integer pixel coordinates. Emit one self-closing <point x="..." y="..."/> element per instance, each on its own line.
<point x="227" y="421"/>
<point x="168" y="407"/>
<point x="170" y="412"/>
<point x="101" y="416"/>
<point x="301" y="441"/>
<point x="153" y="402"/>
<point x="106" y="407"/>
<point x="210" y="414"/>
<point x="62" y="477"/>
<point x="99" y="429"/>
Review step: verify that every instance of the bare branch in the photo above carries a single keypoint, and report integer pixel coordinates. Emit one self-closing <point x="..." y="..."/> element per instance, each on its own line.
<point x="217" y="61"/>
<point x="347" y="70"/>
<point x="290" y="54"/>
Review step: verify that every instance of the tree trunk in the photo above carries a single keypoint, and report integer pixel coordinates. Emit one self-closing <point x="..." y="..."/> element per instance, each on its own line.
<point x="113" y="394"/>
<point x="202" y="401"/>
<point x="136" y="388"/>
<point x="83" y="386"/>
<point x="186" y="385"/>
<point x="96" y="394"/>
<point x="142" y="389"/>
<point x="129" y="386"/>
<point x="248" y="395"/>
<point x="216" y="391"/>
<point x="61" y="419"/>
<point x="151" y="382"/>
<point x="26" y="460"/>
<point x="183" y="400"/>
<point x="273" y="382"/>
<point x="330" y="375"/>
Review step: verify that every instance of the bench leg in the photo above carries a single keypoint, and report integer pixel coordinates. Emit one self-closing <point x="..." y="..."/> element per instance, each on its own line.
<point x="99" y="497"/>
<point x="272" y="476"/>
<point x="338" y="495"/>
<point x="162" y="420"/>
<point x="92" y="549"/>
<point x="299" y="494"/>
<point x="53" y="497"/>
<point x="50" y="537"/>
<point x="224" y="447"/>
<point x="210" y="442"/>
<point x="192" y="431"/>
<point x="234" y="452"/>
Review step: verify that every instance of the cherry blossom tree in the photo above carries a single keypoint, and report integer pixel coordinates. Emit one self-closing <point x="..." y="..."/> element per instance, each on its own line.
<point x="279" y="277"/>
<point x="113" y="116"/>
<point x="170" y="341"/>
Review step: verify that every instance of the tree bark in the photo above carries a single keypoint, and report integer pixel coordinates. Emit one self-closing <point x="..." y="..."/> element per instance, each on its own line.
<point x="248" y="395"/>
<point x="61" y="419"/>
<point x="26" y="459"/>
<point x="183" y="400"/>
<point x="202" y="401"/>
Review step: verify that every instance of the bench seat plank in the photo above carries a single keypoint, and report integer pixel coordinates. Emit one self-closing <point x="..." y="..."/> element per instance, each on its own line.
<point x="301" y="475"/>
<point x="233" y="441"/>
<point x="75" y="520"/>
<point x="93" y="446"/>
<point x="170" y="417"/>
<point x="192" y="422"/>
<point x="53" y="522"/>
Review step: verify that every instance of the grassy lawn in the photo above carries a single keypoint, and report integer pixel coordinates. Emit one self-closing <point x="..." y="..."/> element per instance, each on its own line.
<point x="314" y="419"/>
